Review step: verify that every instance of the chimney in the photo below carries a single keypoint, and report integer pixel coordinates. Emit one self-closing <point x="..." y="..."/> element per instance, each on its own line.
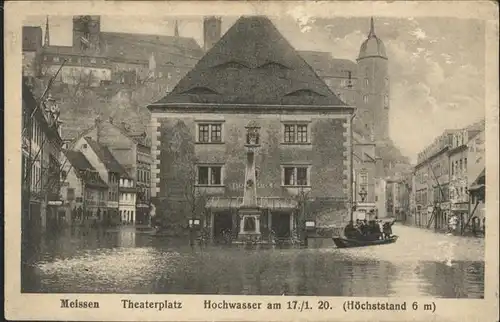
<point x="211" y="31"/>
<point x="98" y="128"/>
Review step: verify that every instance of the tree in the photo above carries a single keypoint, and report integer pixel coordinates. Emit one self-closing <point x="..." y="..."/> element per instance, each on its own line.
<point x="183" y="200"/>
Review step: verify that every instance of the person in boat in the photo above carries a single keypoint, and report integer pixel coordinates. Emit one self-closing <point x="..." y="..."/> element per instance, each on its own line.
<point x="381" y="228"/>
<point x="388" y="229"/>
<point x="350" y="231"/>
<point x="375" y="232"/>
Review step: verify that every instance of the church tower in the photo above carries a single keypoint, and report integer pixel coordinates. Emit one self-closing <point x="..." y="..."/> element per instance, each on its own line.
<point x="46" y="41"/>
<point x="86" y="33"/>
<point x="373" y="87"/>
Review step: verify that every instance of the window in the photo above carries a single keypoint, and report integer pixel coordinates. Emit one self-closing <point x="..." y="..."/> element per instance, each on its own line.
<point x="367" y="82"/>
<point x="296" y="133"/>
<point x="56" y="59"/>
<point x="386" y="82"/>
<point x="289" y="133"/>
<point x="210" y="133"/>
<point x="460" y="165"/>
<point x="452" y="168"/>
<point x="465" y="164"/>
<point x="296" y="176"/>
<point x="210" y="175"/>
<point x="365" y="99"/>
<point x="386" y="101"/>
<point x="216" y="132"/>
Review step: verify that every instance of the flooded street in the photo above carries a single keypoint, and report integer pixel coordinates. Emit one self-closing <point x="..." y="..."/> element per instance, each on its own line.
<point x="421" y="263"/>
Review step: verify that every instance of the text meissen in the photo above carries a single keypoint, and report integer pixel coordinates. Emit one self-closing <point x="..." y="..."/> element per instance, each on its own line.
<point x="160" y="305"/>
<point x="78" y="304"/>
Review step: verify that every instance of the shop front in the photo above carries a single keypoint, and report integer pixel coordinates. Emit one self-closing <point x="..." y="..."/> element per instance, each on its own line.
<point x="443" y="215"/>
<point x="55" y="214"/>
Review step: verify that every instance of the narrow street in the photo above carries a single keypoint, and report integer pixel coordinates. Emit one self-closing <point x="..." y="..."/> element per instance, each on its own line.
<point x="421" y="263"/>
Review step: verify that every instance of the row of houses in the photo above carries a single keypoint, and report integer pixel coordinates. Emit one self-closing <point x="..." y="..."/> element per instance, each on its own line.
<point x="100" y="177"/>
<point x="106" y="176"/>
<point x="447" y="185"/>
<point x="41" y="147"/>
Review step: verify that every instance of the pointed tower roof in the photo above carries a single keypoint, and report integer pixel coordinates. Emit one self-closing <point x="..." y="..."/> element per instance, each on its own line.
<point x="176" y="29"/>
<point x="46" y="41"/>
<point x="372" y="46"/>
<point x="252" y="64"/>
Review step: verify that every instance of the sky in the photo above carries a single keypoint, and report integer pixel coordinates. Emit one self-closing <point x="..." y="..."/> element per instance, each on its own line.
<point x="436" y="64"/>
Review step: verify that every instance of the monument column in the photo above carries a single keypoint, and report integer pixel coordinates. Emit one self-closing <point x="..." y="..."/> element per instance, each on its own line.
<point x="249" y="211"/>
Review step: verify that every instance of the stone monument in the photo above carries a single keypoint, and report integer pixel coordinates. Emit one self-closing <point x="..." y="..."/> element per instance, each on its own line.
<point x="249" y="211"/>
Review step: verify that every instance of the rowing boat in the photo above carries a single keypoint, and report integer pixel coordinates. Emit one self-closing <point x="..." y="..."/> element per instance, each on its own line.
<point x="348" y="243"/>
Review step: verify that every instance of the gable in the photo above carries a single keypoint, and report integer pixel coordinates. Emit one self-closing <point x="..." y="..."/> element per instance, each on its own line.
<point x="252" y="64"/>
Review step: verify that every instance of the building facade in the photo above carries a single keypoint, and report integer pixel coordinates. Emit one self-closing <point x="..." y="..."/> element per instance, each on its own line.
<point x="132" y="150"/>
<point x="458" y="153"/>
<point x="476" y="180"/>
<point x="432" y="183"/>
<point x="83" y="191"/>
<point x="367" y="167"/>
<point x="199" y="137"/>
<point x="127" y="202"/>
<point x="441" y="180"/>
<point x="41" y="167"/>
<point x="110" y="171"/>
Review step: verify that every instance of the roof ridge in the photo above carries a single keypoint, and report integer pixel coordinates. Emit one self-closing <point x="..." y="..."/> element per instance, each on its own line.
<point x="255" y="41"/>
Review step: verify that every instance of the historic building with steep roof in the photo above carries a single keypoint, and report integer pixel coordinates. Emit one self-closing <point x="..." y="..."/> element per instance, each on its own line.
<point x="252" y="74"/>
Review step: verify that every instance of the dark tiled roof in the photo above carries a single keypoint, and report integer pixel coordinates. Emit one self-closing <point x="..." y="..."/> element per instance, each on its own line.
<point x="252" y="64"/>
<point x="32" y="38"/>
<point x="107" y="157"/>
<point x="168" y="50"/>
<point x="78" y="160"/>
<point x="326" y="66"/>
<point x="80" y="163"/>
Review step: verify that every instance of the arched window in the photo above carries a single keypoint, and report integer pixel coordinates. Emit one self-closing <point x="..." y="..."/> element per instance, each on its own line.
<point x="386" y="101"/>
<point x="365" y="99"/>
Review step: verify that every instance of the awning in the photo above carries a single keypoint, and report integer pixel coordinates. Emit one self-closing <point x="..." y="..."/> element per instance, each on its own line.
<point x="480" y="179"/>
<point x="476" y="187"/>
<point x="271" y="203"/>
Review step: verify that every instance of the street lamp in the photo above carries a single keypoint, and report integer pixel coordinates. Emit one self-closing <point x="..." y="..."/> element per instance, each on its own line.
<point x="363" y="194"/>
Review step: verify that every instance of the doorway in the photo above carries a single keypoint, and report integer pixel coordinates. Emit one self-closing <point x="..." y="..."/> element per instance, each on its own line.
<point x="223" y="223"/>
<point x="281" y="224"/>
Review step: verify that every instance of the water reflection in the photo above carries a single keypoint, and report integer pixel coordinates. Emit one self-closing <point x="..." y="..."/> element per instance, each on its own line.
<point x="125" y="262"/>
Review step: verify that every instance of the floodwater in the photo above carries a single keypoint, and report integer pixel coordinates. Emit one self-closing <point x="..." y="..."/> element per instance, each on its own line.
<point x="420" y="263"/>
